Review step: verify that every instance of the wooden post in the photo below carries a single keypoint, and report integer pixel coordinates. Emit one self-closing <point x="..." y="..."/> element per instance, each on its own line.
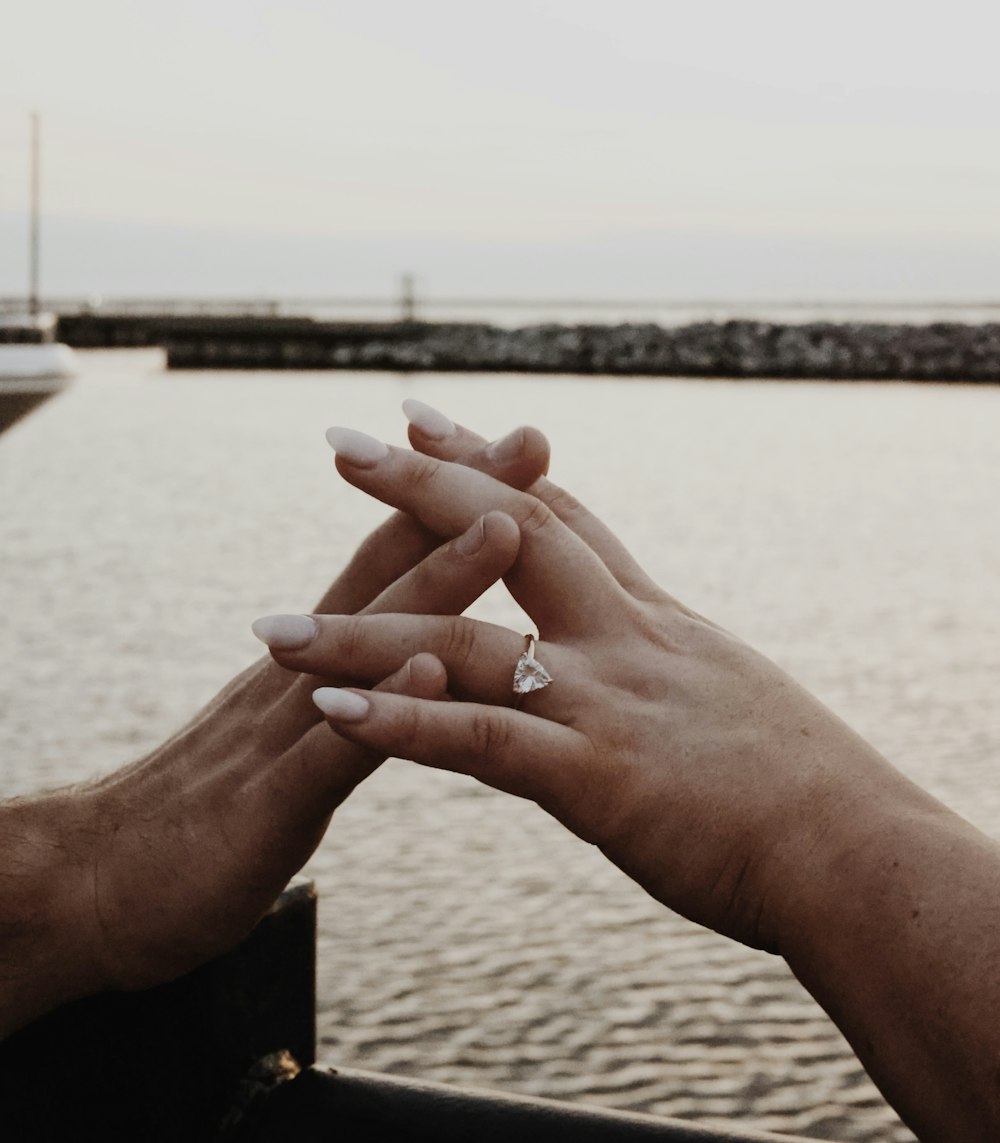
<point x="178" y="1062"/>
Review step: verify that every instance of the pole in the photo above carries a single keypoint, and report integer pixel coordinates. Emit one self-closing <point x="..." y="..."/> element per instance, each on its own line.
<point x="33" y="302"/>
<point x="408" y="301"/>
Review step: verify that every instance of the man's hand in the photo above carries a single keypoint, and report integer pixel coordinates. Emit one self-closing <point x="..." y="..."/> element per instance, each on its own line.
<point x="142" y="875"/>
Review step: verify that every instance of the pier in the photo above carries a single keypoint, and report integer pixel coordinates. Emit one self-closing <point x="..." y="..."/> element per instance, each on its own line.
<point x="753" y="341"/>
<point x="938" y="351"/>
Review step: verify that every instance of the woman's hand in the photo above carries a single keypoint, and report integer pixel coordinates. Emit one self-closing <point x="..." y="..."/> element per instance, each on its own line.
<point x="695" y="763"/>
<point x="703" y="771"/>
<point x="144" y="874"/>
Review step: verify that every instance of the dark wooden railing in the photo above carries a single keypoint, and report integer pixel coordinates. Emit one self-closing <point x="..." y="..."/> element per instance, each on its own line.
<point x="227" y="1055"/>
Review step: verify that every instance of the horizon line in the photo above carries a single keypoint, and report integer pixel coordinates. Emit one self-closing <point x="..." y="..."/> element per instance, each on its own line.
<point x="97" y="300"/>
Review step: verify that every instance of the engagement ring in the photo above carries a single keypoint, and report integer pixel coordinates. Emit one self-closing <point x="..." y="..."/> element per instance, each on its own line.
<point x="529" y="674"/>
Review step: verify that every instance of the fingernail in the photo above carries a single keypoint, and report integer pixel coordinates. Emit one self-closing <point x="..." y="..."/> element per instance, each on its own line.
<point x="427" y="419"/>
<point x="508" y="447"/>
<point x="356" y="448"/>
<point x="285" y="632"/>
<point x="343" y="705"/>
<point x="471" y="541"/>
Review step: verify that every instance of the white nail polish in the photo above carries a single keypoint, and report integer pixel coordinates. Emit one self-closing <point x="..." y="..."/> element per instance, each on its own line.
<point x="428" y="420"/>
<point x="285" y="632"/>
<point x="356" y="448"/>
<point x="343" y="705"/>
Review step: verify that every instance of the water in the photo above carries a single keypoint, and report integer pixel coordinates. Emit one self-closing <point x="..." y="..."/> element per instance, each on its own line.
<point x="848" y="530"/>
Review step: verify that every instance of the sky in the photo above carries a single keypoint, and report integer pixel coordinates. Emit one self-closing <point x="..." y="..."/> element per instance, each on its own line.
<point x="551" y="148"/>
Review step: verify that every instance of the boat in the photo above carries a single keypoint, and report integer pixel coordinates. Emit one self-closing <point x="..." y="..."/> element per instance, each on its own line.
<point x="33" y="364"/>
<point x="29" y="350"/>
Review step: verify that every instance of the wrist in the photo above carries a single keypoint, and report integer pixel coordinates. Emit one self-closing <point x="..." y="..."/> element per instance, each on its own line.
<point x="891" y="926"/>
<point x="855" y="854"/>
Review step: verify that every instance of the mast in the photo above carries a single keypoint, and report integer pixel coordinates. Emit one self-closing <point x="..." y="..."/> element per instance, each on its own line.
<point x="33" y="302"/>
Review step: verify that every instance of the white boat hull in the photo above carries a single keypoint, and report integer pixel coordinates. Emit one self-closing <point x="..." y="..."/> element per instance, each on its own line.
<point x="41" y="362"/>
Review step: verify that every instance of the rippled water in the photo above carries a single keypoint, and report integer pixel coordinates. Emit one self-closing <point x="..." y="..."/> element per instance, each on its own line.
<point x="848" y="530"/>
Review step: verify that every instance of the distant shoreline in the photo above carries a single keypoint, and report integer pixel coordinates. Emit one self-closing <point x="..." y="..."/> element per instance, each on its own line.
<point x="846" y="350"/>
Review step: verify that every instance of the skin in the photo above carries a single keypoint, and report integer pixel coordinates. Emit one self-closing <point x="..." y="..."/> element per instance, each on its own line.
<point x="137" y="878"/>
<point x="708" y="775"/>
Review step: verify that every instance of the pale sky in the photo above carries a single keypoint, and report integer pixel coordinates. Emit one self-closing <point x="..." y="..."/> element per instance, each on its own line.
<point x="773" y="148"/>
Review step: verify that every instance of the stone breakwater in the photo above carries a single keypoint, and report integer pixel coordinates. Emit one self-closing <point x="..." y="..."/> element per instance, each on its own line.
<point x="940" y="351"/>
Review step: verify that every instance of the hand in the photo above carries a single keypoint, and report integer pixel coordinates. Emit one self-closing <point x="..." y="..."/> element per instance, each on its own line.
<point x="154" y="869"/>
<point x="705" y="773"/>
<point x="696" y="764"/>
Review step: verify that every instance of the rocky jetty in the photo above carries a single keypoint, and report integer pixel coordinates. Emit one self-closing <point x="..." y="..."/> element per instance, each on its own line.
<point x="939" y="351"/>
<point x="849" y="351"/>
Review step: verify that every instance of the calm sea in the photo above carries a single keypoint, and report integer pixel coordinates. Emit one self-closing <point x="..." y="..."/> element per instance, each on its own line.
<point x="849" y="530"/>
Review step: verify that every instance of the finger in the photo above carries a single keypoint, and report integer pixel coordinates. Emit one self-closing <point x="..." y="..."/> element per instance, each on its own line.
<point x="454" y="576"/>
<point x="479" y="657"/>
<point x="598" y="536"/>
<point x="431" y="433"/>
<point x="507" y="749"/>
<point x="446" y="582"/>
<point x="555" y="569"/>
<point x="518" y="459"/>
<point x="390" y="551"/>
<point x="324" y="769"/>
<point x="424" y="676"/>
<point x="401" y="542"/>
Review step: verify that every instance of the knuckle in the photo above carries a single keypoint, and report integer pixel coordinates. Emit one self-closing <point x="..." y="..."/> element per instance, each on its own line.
<point x="417" y="725"/>
<point x="412" y="723"/>
<point x="351" y="644"/>
<point x="534" y="516"/>
<point x="490" y="736"/>
<point x="423" y="472"/>
<point x="460" y="642"/>
<point x="564" y="504"/>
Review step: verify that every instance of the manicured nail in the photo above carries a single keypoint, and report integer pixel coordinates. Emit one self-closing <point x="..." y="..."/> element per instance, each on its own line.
<point x="428" y="420"/>
<point x="508" y="447"/>
<point x="343" y="705"/>
<point x="285" y="632"/>
<point x="471" y="541"/>
<point x="356" y="448"/>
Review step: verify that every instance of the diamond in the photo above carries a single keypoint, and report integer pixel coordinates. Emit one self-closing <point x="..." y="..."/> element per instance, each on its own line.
<point x="529" y="675"/>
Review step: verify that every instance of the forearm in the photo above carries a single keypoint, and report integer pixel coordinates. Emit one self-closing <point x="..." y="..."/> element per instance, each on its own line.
<point x="45" y="958"/>
<point x="899" y="940"/>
